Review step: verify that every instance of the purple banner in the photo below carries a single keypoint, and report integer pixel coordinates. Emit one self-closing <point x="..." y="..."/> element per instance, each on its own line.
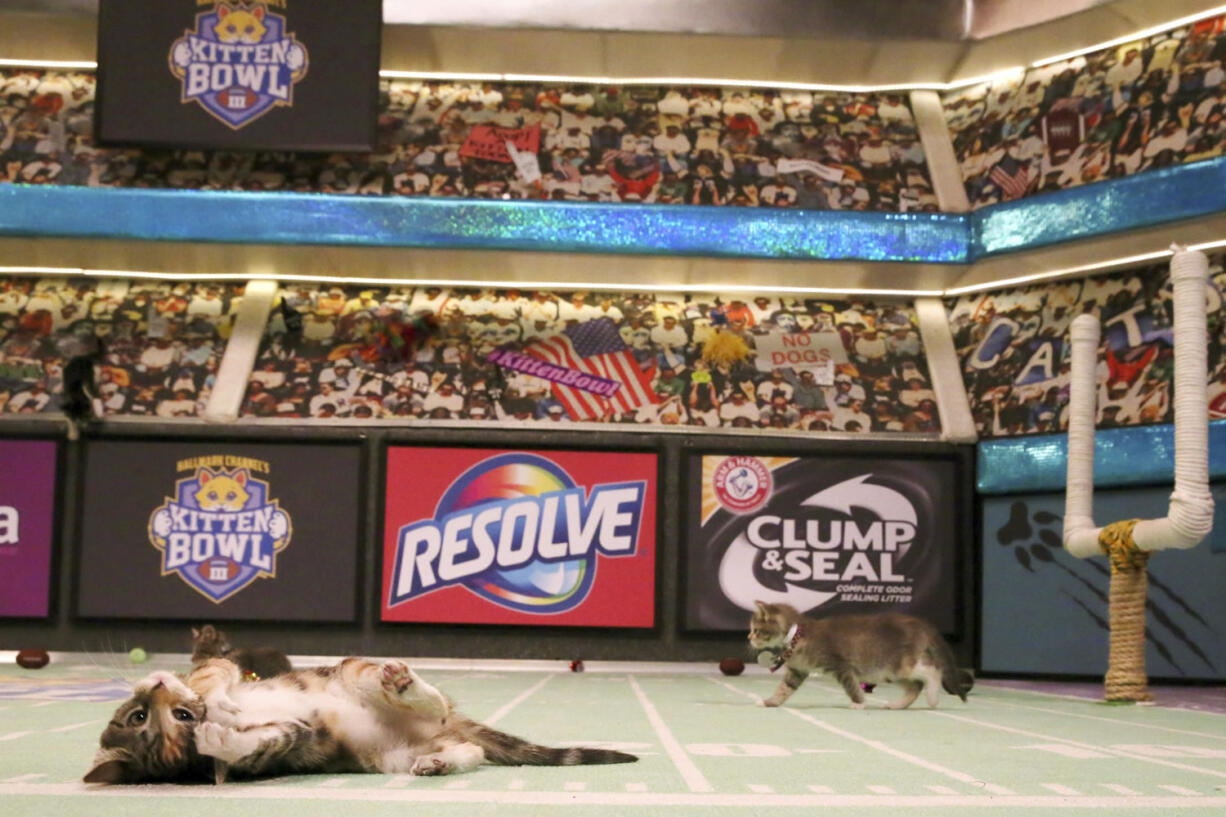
<point x="27" y="502"/>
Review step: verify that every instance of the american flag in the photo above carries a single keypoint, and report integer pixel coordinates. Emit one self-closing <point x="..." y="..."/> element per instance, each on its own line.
<point x="1011" y="176"/>
<point x="595" y="347"/>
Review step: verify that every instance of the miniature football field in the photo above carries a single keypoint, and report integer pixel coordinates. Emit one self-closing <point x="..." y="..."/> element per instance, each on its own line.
<point x="704" y="746"/>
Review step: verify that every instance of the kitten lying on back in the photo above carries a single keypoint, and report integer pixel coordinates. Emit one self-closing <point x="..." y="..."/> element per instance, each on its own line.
<point x="357" y="716"/>
<point x="856" y="649"/>
<point x="262" y="662"/>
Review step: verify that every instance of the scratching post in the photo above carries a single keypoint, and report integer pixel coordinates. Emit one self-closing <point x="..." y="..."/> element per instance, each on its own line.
<point x="1128" y="544"/>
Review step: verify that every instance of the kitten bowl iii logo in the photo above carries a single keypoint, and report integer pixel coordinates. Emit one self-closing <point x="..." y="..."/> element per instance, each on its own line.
<point x="221" y="530"/>
<point x="827" y="533"/>
<point x="516" y="530"/>
<point x="239" y="62"/>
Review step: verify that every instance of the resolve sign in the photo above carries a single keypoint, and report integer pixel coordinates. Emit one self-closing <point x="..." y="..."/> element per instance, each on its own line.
<point x="818" y="351"/>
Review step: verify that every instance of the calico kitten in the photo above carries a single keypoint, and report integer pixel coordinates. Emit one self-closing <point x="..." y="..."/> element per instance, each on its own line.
<point x="357" y="716"/>
<point x="856" y="649"/>
<point x="262" y="662"/>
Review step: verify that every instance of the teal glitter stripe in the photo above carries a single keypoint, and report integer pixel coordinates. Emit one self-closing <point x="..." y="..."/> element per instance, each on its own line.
<point x="1145" y="200"/>
<point x="295" y="218"/>
<point x="1138" y="455"/>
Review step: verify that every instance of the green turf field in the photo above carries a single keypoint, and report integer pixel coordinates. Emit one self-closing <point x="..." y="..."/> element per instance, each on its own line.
<point x="705" y="747"/>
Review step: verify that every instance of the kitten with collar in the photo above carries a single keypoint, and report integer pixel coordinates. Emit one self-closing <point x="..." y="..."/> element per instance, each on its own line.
<point x="856" y="650"/>
<point x="254" y="662"/>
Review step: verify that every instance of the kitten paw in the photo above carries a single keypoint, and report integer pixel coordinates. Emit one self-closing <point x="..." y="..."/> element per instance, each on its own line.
<point x="397" y="678"/>
<point x="214" y="740"/>
<point x="429" y="765"/>
<point x="855" y="705"/>
<point x="770" y="703"/>
<point x="221" y="709"/>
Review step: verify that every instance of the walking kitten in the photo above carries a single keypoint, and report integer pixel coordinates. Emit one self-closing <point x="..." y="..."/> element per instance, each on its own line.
<point x="856" y="649"/>
<point x="357" y="716"/>
<point x="262" y="662"/>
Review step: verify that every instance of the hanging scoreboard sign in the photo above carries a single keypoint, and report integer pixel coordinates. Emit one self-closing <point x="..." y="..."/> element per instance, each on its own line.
<point x="824" y="534"/>
<point x="297" y="75"/>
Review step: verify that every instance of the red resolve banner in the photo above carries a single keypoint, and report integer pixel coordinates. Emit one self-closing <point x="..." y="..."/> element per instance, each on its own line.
<point x="487" y="536"/>
<point x="489" y="142"/>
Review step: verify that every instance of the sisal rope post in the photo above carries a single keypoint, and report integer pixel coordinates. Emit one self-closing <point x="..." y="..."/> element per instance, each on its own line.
<point x="1129" y="544"/>
<point x="1126" y="679"/>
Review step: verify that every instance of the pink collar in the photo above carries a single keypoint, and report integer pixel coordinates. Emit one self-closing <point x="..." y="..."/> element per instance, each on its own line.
<point x="793" y="639"/>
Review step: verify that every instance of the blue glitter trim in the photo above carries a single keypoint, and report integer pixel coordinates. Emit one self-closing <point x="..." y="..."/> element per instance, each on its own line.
<point x="1139" y="455"/>
<point x="1144" y="200"/>
<point x="295" y="218"/>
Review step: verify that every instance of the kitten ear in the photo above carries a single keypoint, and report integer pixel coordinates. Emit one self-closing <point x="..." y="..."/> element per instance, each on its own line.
<point x="258" y="12"/>
<point x="195" y="633"/>
<point x="222" y="11"/>
<point x="205" y="474"/>
<point x="761" y="605"/>
<point x="240" y="477"/>
<point x="110" y="766"/>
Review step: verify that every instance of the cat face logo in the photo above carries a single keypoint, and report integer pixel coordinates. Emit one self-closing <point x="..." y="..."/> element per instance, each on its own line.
<point x="517" y="531"/>
<point x="220" y="531"/>
<point x="239" y="62"/>
<point x="222" y="491"/>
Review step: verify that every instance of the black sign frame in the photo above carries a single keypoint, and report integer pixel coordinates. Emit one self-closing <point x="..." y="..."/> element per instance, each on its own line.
<point x="335" y="108"/>
<point x="346" y="610"/>
<point x="964" y="516"/>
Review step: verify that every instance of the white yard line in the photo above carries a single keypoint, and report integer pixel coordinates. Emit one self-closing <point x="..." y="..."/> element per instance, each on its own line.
<point x="1062" y="713"/>
<point x="15" y="735"/>
<point x="516" y="701"/>
<point x="1186" y="792"/>
<point x="1120" y="789"/>
<point x="693" y="778"/>
<point x="961" y="777"/>
<point x="1086" y="746"/>
<point x="757" y="802"/>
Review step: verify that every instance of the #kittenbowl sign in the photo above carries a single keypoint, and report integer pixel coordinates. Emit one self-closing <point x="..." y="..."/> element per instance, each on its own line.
<point x="520" y="537"/>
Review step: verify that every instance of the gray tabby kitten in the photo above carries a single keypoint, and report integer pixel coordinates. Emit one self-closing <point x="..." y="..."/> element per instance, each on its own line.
<point x="855" y="649"/>
<point x="262" y="662"/>
<point x="357" y="716"/>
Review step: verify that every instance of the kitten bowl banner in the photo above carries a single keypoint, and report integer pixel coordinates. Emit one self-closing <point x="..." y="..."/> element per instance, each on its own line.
<point x="556" y="538"/>
<point x="270" y="74"/>
<point x="27" y="505"/>
<point x="220" y="531"/>
<point x="825" y="535"/>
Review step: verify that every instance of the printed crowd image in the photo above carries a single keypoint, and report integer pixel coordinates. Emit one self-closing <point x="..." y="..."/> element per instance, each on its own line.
<point x="644" y="144"/>
<point x="1147" y="104"/>
<point x="762" y="362"/>
<point x="1014" y="349"/>
<point x="161" y="342"/>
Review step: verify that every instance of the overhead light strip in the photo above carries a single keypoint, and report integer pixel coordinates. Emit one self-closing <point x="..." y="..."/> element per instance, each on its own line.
<point x="467" y="284"/>
<point x="1138" y="35"/>
<point x="1000" y="283"/>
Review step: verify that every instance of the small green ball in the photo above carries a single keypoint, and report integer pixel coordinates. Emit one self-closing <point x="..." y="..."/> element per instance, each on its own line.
<point x="137" y="656"/>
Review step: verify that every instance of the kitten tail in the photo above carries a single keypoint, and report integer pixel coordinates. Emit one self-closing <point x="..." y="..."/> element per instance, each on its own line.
<point x="502" y="749"/>
<point x="953" y="680"/>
